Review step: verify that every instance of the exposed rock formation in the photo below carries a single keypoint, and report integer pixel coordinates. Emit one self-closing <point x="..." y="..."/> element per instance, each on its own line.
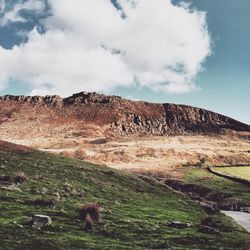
<point x="119" y="116"/>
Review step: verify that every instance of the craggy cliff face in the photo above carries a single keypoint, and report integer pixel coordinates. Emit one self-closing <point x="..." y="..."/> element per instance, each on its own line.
<point x="110" y="115"/>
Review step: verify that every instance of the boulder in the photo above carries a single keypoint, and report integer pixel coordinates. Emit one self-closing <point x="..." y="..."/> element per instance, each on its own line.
<point x="210" y="222"/>
<point x="208" y="229"/>
<point x="39" y="221"/>
<point x="209" y="207"/>
<point x="179" y="224"/>
<point x="231" y="204"/>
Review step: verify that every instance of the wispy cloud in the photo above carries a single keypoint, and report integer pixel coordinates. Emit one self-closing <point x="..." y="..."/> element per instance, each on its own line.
<point x="92" y="45"/>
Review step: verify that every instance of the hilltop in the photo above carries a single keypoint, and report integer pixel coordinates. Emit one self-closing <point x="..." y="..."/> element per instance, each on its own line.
<point x="91" y="114"/>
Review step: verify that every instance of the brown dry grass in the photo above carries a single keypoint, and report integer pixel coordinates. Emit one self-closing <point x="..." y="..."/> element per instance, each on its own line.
<point x="168" y="155"/>
<point x="10" y="147"/>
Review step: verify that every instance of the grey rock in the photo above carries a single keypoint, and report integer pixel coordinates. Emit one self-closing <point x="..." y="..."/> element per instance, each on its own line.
<point x="209" y="230"/>
<point x="179" y="224"/>
<point x="39" y="221"/>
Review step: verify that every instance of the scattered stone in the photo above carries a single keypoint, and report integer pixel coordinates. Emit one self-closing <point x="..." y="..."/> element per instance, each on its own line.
<point x="209" y="230"/>
<point x="12" y="187"/>
<point x="67" y="187"/>
<point x="245" y="209"/>
<point x="231" y="204"/>
<point x="58" y="196"/>
<point x="79" y="193"/>
<point x="179" y="224"/>
<point x="74" y="191"/>
<point x="217" y="196"/>
<point x="209" y="221"/>
<point x="19" y="225"/>
<point x="209" y="207"/>
<point x="44" y="191"/>
<point x="38" y="177"/>
<point x="39" y="221"/>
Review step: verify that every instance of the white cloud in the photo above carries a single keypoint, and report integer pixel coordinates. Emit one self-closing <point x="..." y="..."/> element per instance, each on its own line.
<point x="89" y="45"/>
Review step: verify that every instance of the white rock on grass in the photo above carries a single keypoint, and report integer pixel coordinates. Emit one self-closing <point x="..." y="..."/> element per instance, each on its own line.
<point x="40" y="221"/>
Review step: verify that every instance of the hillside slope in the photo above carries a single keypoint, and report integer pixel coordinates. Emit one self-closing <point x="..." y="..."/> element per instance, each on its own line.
<point x="135" y="215"/>
<point x="88" y="114"/>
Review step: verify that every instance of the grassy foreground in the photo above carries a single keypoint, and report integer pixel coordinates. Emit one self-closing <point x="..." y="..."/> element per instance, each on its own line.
<point x="135" y="211"/>
<point x="240" y="172"/>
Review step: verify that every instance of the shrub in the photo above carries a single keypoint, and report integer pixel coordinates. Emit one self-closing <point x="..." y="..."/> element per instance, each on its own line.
<point x="89" y="223"/>
<point x="20" y="177"/>
<point x="90" y="214"/>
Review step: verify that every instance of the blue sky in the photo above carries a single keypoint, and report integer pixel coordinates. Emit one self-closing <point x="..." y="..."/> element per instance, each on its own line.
<point x="223" y="85"/>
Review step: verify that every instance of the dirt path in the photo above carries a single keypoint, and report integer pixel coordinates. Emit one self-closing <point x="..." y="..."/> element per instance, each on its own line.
<point x="241" y="218"/>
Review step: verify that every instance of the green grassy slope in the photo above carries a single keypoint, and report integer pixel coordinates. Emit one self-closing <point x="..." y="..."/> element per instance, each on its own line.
<point x="240" y="172"/>
<point x="134" y="217"/>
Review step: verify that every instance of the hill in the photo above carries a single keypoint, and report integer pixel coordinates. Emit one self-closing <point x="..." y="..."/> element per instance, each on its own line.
<point x="91" y="114"/>
<point x="136" y="210"/>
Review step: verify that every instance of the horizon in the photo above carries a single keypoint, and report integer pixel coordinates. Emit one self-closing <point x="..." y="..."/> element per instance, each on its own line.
<point x="217" y="79"/>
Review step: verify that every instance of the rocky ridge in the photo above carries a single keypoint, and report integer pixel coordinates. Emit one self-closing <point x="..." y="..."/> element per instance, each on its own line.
<point x="121" y="116"/>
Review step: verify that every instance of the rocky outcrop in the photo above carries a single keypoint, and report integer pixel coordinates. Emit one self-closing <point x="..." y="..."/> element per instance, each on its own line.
<point x="125" y="117"/>
<point x="52" y="100"/>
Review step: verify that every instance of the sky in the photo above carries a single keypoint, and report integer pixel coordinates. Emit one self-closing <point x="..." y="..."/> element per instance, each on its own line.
<point x="188" y="52"/>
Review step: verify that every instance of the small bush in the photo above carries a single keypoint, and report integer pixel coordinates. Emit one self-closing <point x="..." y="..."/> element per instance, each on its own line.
<point x="20" y="177"/>
<point x="90" y="214"/>
<point x="38" y="177"/>
<point x="89" y="224"/>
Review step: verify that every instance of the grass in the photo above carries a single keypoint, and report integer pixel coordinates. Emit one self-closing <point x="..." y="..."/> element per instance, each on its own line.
<point x="240" y="172"/>
<point x="202" y="177"/>
<point x="134" y="216"/>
